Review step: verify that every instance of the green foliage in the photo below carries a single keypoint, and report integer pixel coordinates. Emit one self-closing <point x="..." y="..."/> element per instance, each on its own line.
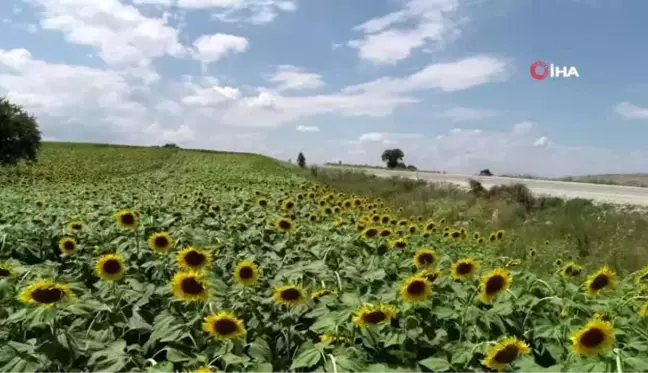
<point x="20" y="137"/>
<point x="392" y="157"/>
<point x="210" y="201"/>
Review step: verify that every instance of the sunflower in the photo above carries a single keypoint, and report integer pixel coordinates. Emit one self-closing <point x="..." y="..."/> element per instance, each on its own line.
<point x="643" y="310"/>
<point x="67" y="245"/>
<point x="464" y="269"/>
<point x="481" y="241"/>
<point x="499" y="234"/>
<point x="398" y="244"/>
<point x="333" y="338"/>
<point x="127" y="219"/>
<point x="283" y="224"/>
<point x="110" y="267"/>
<point x="425" y="258"/>
<point x="604" y="278"/>
<point x="45" y="293"/>
<point x="496" y="282"/>
<point x="189" y="286"/>
<point x="505" y="351"/>
<point x="412" y="229"/>
<point x="224" y="326"/>
<point x="313" y="218"/>
<point x="370" y="232"/>
<point x="571" y="270"/>
<point x="558" y="262"/>
<point x="416" y="289"/>
<point x="75" y="226"/>
<point x="368" y="315"/>
<point x="455" y="235"/>
<point x="289" y="295"/>
<point x="203" y="369"/>
<point x="595" y="338"/>
<point x="246" y="273"/>
<point x="492" y="237"/>
<point x="6" y="270"/>
<point x="288" y="205"/>
<point x="193" y="259"/>
<point x="430" y="275"/>
<point x="160" y="242"/>
<point x="262" y="202"/>
<point x="320" y="293"/>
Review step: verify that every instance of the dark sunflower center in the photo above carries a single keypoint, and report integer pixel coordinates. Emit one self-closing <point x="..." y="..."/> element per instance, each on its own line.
<point x="507" y="354"/>
<point x="284" y="224"/>
<point x="225" y="327"/>
<point x="194" y="258"/>
<point x="500" y="235"/>
<point x="76" y="227"/>
<point x="385" y="233"/>
<point x="576" y="272"/>
<point x="263" y="202"/>
<point x="416" y="287"/>
<point x="313" y="218"/>
<point x="569" y="270"/>
<point x="291" y="294"/>
<point x="426" y="258"/>
<point x="371" y="232"/>
<point x="191" y="285"/>
<point x="431" y="277"/>
<point x="600" y="282"/>
<point x="385" y="220"/>
<point x="161" y="241"/>
<point x="375" y="218"/>
<point x="592" y="338"/>
<point x="68" y="246"/>
<point x="374" y="317"/>
<point x="493" y="238"/>
<point x="4" y="272"/>
<point x="128" y="219"/>
<point x="464" y="268"/>
<point x="47" y="296"/>
<point x="290" y="205"/>
<point x="494" y="284"/>
<point x="400" y="244"/>
<point x="328" y="211"/>
<point x="429" y="227"/>
<point x="112" y="266"/>
<point x="246" y="273"/>
<point x="455" y="234"/>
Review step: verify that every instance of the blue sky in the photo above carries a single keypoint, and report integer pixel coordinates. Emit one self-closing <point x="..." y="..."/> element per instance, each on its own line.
<point x="447" y="81"/>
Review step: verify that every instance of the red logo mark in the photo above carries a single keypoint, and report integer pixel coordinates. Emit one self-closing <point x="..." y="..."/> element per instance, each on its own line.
<point x="539" y="70"/>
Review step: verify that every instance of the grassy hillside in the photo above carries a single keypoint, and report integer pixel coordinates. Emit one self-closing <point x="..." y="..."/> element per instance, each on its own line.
<point x="153" y="259"/>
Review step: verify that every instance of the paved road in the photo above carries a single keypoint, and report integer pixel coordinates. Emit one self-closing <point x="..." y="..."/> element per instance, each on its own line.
<point x="564" y="189"/>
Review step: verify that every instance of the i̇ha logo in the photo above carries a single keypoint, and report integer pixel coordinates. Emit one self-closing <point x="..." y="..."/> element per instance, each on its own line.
<point x="541" y="70"/>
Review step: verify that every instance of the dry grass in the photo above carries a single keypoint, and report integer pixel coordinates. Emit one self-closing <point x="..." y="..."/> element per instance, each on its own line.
<point x="575" y="229"/>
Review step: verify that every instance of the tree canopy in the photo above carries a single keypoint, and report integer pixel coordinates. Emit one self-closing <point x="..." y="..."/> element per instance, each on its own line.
<point x="20" y="137"/>
<point x="392" y="157"/>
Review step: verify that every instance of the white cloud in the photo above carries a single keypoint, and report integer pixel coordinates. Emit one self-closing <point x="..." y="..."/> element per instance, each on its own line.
<point x="153" y="2"/>
<point x="288" y="77"/>
<point x="211" y="96"/>
<point x="236" y="11"/>
<point x="377" y="98"/>
<point x="386" y="138"/>
<point x="160" y="135"/>
<point x="122" y="34"/>
<point x="210" y="48"/>
<point x="463" y="114"/>
<point x="631" y="111"/>
<point x="384" y="43"/>
<point x="302" y="128"/>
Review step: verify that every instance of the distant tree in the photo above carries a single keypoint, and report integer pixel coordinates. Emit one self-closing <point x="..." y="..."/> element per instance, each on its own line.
<point x="20" y="137"/>
<point x="485" y="172"/>
<point x="392" y="157"/>
<point x="301" y="160"/>
<point x="171" y="145"/>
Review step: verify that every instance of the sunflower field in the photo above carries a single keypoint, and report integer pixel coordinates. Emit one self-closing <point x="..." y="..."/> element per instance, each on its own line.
<point x="120" y="259"/>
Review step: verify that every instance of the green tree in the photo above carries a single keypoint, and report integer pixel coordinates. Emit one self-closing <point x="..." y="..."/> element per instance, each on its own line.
<point x="392" y="157"/>
<point x="20" y="138"/>
<point x="301" y="160"/>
